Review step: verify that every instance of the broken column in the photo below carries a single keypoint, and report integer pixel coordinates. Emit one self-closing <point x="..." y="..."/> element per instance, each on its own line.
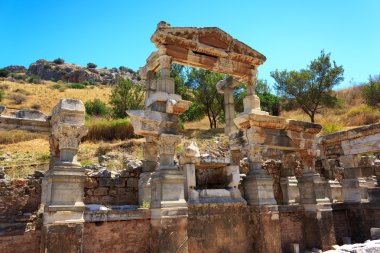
<point x="226" y="86"/>
<point x="63" y="200"/>
<point x="189" y="157"/>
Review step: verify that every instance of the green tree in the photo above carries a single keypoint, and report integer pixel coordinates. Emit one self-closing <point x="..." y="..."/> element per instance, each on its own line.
<point x="4" y="72"/>
<point x="311" y="87"/>
<point x="371" y="91"/>
<point x="126" y="96"/>
<point x="96" y="107"/>
<point x="269" y="102"/>
<point x="203" y="84"/>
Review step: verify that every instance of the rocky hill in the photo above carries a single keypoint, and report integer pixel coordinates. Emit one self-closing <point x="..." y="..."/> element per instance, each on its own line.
<point x="66" y="72"/>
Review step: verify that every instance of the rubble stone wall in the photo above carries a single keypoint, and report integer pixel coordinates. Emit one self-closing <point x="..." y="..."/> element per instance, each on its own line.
<point x="101" y="188"/>
<point x="29" y="242"/>
<point x="292" y="227"/>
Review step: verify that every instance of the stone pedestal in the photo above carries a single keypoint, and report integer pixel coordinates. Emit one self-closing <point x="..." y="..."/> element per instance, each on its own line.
<point x="290" y="192"/>
<point x="334" y="191"/>
<point x="354" y="190"/>
<point x="145" y="189"/>
<point x="258" y="186"/>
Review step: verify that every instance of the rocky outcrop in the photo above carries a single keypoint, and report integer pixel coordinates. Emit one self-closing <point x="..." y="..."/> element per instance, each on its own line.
<point x="16" y="69"/>
<point x="77" y="74"/>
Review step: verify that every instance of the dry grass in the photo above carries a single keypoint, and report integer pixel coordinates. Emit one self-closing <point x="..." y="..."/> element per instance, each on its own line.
<point x="47" y="98"/>
<point x="14" y="136"/>
<point x="101" y="129"/>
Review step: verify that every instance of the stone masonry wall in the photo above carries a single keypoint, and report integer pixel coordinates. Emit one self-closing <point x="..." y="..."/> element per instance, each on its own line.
<point x="292" y="227"/>
<point x="131" y="236"/>
<point x="219" y="228"/>
<point x="101" y="188"/>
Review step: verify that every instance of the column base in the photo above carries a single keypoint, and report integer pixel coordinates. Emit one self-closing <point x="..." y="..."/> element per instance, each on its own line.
<point x="290" y="190"/>
<point x="258" y="190"/>
<point x="168" y="189"/>
<point x="353" y="190"/>
<point x="334" y="191"/>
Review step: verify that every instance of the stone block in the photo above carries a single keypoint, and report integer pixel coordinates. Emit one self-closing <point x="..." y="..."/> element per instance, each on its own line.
<point x="374" y="195"/>
<point x="101" y="191"/>
<point x="105" y="181"/>
<point x="119" y="182"/>
<point x="375" y="233"/>
<point x="90" y="183"/>
<point x="132" y="182"/>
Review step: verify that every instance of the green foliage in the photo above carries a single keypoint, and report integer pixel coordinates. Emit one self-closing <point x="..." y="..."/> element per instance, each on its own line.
<point x="75" y="86"/>
<point x="118" y="129"/>
<point x="269" y="102"/>
<point x="310" y="88"/>
<point x="126" y="96"/>
<point x="4" y="73"/>
<point x="59" y="61"/>
<point x="96" y="107"/>
<point x="34" y="79"/>
<point x="330" y="128"/>
<point x="91" y="65"/>
<point x="203" y="84"/>
<point x="195" y="112"/>
<point x="371" y="92"/>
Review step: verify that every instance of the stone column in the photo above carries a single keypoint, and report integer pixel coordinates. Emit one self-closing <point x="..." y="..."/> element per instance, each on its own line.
<point x="165" y="83"/>
<point x="168" y="205"/>
<point x="319" y="226"/>
<point x="354" y="186"/>
<point x="226" y="86"/>
<point x="288" y="181"/>
<point x="258" y="185"/>
<point x="63" y="200"/>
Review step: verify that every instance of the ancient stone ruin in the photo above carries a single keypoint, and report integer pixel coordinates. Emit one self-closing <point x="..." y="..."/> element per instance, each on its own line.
<point x="300" y="191"/>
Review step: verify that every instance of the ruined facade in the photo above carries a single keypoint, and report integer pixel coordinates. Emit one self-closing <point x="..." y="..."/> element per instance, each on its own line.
<point x="278" y="206"/>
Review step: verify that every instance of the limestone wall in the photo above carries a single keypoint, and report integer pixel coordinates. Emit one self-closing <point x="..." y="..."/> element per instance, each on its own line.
<point x="292" y="227"/>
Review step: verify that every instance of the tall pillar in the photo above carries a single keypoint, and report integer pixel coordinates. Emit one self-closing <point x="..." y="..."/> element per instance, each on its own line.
<point x="226" y="86"/>
<point x="168" y="205"/>
<point x="63" y="197"/>
<point x="319" y="226"/>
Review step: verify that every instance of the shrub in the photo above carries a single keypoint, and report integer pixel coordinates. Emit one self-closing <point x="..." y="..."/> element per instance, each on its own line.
<point x="91" y="65"/>
<point x="96" y="107"/>
<point x="18" y="98"/>
<point x="119" y="129"/>
<point x="362" y="115"/>
<point x="56" y="86"/>
<point x="22" y="91"/>
<point x="76" y="86"/>
<point x="35" y="79"/>
<point x="4" y="72"/>
<point x="329" y="128"/>
<point x="36" y="106"/>
<point x="371" y="92"/>
<point x="59" y="61"/>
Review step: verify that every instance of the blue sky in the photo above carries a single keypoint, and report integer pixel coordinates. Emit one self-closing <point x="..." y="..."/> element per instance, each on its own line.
<point x="116" y="32"/>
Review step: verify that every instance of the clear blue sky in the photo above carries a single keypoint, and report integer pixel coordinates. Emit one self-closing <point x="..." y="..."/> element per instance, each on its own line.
<point x="117" y="32"/>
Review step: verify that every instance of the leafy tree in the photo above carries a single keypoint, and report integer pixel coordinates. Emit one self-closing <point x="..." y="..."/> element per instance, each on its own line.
<point x="96" y="107"/>
<point x="269" y="102"/>
<point x="371" y="91"/>
<point x="310" y="88"/>
<point x="91" y="65"/>
<point x="126" y="96"/>
<point x="203" y="85"/>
